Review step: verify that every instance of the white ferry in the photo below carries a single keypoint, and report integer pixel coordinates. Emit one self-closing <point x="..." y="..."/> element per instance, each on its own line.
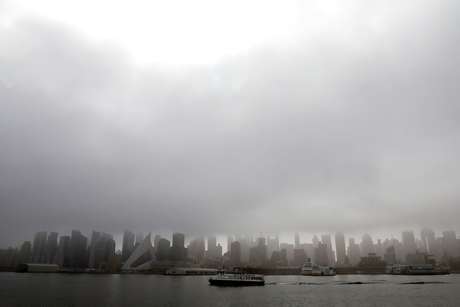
<point x="310" y="269"/>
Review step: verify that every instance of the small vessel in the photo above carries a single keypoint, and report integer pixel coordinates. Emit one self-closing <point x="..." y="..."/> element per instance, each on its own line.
<point x="190" y="271"/>
<point x="309" y="269"/>
<point x="419" y="269"/>
<point x="236" y="280"/>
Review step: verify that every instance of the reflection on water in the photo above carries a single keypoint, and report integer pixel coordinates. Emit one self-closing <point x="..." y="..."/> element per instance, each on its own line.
<point x="18" y="289"/>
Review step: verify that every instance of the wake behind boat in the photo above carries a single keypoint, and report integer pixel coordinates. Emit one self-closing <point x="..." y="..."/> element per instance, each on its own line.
<point x="236" y="280"/>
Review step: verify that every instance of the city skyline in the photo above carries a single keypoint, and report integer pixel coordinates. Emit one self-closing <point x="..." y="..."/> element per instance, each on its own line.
<point x="313" y="122"/>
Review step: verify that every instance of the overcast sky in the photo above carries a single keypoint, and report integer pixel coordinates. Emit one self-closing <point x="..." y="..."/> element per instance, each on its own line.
<point x="228" y="117"/>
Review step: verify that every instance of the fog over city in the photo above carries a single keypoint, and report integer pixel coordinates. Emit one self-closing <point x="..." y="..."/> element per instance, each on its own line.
<point x="309" y="116"/>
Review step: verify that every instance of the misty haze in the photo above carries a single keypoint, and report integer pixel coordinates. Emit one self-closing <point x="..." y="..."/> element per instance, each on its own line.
<point x="265" y="138"/>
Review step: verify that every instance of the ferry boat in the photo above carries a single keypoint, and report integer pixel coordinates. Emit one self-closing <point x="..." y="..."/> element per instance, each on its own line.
<point x="236" y="280"/>
<point x="309" y="269"/>
<point x="419" y="269"/>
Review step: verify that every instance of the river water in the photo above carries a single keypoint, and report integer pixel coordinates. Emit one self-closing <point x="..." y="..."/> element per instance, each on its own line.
<point x="23" y="289"/>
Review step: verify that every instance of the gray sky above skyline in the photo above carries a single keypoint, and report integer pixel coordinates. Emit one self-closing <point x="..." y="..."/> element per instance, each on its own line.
<point x="351" y="125"/>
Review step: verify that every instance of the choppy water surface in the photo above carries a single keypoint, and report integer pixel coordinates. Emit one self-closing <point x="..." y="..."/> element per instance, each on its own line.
<point x="18" y="289"/>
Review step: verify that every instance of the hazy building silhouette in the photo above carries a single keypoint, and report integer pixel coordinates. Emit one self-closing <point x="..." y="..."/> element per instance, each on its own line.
<point x="235" y="253"/>
<point x="196" y="250"/>
<point x="178" y="251"/>
<point x="63" y="254"/>
<point x="367" y="245"/>
<point x="340" y="248"/>
<point x="39" y="247"/>
<point x="127" y="245"/>
<point x="78" y="250"/>
<point x="390" y="255"/>
<point x="354" y="254"/>
<point x="428" y="238"/>
<point x="408" y="242"/>
<point x="25" y="252"/>
<point x="299" y="257"/>
<point x="162" y="250"/>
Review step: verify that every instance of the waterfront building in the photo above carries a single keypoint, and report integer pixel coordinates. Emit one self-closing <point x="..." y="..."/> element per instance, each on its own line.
<point x="142" y="257"/>
<point x="63" y="253"/>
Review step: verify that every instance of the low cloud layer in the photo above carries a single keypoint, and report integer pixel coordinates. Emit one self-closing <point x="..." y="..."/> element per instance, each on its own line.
<point x="328" y="132"/>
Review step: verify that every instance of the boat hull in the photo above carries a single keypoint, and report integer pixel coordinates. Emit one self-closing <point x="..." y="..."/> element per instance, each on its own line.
<point x="235" y="283"/>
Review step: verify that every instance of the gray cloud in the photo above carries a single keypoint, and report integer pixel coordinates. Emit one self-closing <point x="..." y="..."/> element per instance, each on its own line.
<point x="327" y="133"/>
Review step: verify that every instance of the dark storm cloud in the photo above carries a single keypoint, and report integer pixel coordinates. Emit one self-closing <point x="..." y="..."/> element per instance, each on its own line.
<point x="328" y="133"/>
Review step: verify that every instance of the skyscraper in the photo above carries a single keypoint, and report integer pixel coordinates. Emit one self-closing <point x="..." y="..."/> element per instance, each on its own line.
<point x="51" y="247"/>
<point x="25" y="252"/>
<point x="367" y="246"/>
<point x="408" y="242"/>
<point x="235" y="253"/>
<point x="178" y="251"/>
<point x="127" y="246"/>
<point x="39" y="247"/>
<point x="340" y="248"/>
<point x="63" y="254"/>
<point x="163" y="249"/>
<point x="212" y="247"/>
<point x="78" y="250"/>
<point x="428" y="240"/>
<point x="296" y="240"/>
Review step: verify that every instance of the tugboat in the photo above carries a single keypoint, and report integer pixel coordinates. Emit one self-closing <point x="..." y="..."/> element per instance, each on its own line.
<point x="236" y="280"/>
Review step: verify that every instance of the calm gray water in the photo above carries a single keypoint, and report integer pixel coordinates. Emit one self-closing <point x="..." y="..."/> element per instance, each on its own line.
<point x="18" y="289"/>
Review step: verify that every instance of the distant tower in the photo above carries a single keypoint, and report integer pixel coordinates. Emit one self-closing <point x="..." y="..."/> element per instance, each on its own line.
<point x="128" y="245"/>
<point x="340" y="248"/>
<point x="39" y="247"/>
<point x="296" y="240"/>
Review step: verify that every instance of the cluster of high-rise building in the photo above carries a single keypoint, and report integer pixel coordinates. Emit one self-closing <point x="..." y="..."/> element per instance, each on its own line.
<point x="70" y="252"/>
<point x="76" y="252"/>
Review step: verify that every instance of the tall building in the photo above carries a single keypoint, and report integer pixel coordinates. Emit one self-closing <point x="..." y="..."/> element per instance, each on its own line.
<point x="127" y="246"/>
<point x="299" y="257"/>
<point x="408" y="242"/>
<point x="258" y="253"/>
<point x="25" y="252"/>
<point x="212" y="247"/>
<point x="178" y="251"/>
<point x="326" y="239"/>
<point x="78" y="250"/>
<point x="51" y="247"/>
<point x="273" y="245"/>
<point x="367" y="246"/>
<point x="63" y="254"/>
<point x="163" y="249"/>
<point x="156" y="240"/>
<point x="450" y="244"/>
<point x="139" y="238"/>
<point x="321" y="254"/>
<point x="340" y="248"/>
<point x="296" y="240"/>
<point x="196" y="250"/>
<point x="428" y="240"/>
<point x="102" y="250"/>
<point x="235" y="253"/>
<point x="289" y="248"/>
<point x="354" y="255"/>
<point x="39" y="247"/>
